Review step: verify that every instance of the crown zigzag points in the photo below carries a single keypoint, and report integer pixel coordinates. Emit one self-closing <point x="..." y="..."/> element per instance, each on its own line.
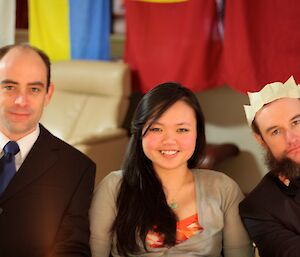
<point x="268" y="94"/>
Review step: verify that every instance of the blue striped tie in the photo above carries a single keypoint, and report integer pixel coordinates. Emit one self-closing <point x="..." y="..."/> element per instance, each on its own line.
<point x="7" y="164"/>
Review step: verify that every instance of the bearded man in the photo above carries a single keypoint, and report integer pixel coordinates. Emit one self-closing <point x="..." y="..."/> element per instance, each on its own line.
<point x="271" y="212"/>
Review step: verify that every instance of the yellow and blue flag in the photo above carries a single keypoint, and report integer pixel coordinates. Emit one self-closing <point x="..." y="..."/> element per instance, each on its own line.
<point x="71" y="29"/>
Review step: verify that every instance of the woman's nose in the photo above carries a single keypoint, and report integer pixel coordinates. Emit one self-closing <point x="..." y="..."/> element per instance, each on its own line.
<point x="169" y="138"/>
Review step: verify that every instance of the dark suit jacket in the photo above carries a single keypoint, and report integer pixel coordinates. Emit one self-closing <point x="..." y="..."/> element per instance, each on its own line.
<point x="271" y="214"/>
<point x="44" y="209"/>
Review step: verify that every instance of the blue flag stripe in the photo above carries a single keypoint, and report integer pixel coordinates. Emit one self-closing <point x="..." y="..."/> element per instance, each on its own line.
<point x="90" y="22"/>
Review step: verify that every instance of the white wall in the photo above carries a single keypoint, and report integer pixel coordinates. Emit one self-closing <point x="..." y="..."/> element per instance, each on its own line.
<point x="226" y="122"/>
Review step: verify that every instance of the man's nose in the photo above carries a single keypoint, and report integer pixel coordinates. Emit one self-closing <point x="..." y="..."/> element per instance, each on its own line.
<point x="291" y="136"/>
<point x="21" y="99"/>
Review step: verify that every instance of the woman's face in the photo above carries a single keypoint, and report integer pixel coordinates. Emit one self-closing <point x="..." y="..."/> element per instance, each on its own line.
<point x="170" y="142"/>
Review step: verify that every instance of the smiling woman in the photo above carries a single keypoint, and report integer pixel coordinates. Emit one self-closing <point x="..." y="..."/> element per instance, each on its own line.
<point x="171" y="137"/>
<point x="160" y="204"/>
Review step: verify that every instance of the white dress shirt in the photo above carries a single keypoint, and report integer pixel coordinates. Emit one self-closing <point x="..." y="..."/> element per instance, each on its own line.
<point x="25" y="145"/>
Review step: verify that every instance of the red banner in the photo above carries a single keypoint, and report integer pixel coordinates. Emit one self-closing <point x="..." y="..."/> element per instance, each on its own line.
<point x="173" y="42"/>
<point x="261" y="42"/>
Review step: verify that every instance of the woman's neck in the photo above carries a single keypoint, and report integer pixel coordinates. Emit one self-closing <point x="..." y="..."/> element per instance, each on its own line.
<point x="173" y="179"/>
<point x="179" y="189"/>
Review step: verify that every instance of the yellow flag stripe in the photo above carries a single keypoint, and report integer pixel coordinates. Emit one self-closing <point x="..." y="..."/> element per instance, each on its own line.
<point x="49" y="27"/>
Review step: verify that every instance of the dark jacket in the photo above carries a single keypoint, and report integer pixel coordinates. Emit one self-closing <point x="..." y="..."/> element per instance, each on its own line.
<point x="44" y="210"/>
<point x="271" y="214"/>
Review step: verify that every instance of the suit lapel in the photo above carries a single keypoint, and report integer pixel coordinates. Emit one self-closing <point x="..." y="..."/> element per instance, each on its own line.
<point x="297" y="197"/>
<point x="292" y="191"/>
<point x="297" y="191"/>
<point x="41" y="157"/>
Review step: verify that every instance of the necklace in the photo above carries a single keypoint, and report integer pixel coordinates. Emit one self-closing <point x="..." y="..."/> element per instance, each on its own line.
<point x="173" y="204"/>
<point x="172" y="201"/>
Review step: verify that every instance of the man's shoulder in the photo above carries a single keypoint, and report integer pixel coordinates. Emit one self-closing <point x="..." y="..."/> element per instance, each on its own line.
<point x="67" y="150"/>
<point x="263" y="194"/>
<point x="266" y="185"/>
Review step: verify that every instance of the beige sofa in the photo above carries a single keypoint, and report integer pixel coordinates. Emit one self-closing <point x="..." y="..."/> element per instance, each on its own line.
<point x="89" y="104"/>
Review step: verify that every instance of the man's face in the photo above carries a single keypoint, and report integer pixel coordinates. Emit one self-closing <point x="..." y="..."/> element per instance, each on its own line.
<point x="23" y="92"/>
<point x="279" y="124"/>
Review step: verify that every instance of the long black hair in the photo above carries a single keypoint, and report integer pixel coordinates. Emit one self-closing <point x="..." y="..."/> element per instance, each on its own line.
<point x="141" y="202"/>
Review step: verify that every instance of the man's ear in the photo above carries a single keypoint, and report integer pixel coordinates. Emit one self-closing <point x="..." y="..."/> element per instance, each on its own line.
<point x="260" y="140"/>
<point x="49" y="93"/>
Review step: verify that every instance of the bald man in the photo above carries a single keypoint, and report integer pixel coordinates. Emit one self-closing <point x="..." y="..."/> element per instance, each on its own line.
<point x="44" y="201"/>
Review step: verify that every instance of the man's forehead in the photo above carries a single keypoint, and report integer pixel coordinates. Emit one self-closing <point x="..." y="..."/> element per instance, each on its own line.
<point x="21" y="56"/>
<point x="278" y="111"/>
<point x="18" y="53"/>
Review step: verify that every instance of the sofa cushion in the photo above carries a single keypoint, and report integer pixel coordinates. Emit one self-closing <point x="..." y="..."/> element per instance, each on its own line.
<point x="90" y="97"/>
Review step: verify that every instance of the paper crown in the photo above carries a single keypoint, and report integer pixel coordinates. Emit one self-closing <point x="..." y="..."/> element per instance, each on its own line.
<point x="268" y="94"/>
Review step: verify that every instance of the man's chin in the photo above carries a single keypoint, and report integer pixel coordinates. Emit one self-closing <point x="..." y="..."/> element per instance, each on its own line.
<point x="285" y="166"/>
<point x="17" y="132"/>
<point x="294" y="158"/>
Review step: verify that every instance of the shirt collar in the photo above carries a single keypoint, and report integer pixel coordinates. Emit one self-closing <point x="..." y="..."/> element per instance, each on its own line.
<point x="25" y="143"/>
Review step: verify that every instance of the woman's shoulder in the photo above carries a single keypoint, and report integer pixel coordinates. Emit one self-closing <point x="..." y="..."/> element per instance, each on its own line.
<point x="110" y="182"/>
<point x="212" y="175"/>
<point x="217" y="185"/>
<point x="210" y="178"/>
<point x="112" y="177"/>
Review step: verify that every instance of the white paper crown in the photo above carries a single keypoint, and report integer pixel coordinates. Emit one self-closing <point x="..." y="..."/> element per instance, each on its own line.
<point x="268" y="94"/>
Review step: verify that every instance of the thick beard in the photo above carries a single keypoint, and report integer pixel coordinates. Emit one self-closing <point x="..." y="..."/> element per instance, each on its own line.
<point x="284" y="167"/>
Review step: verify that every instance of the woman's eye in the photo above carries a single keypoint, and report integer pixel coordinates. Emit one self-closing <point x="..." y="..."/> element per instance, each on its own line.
<point x="155" y="129"/>
<point x="182" y="130"/>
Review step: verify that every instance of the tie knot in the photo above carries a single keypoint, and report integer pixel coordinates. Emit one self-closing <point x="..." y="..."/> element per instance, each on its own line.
<point x="11" y="148"/>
